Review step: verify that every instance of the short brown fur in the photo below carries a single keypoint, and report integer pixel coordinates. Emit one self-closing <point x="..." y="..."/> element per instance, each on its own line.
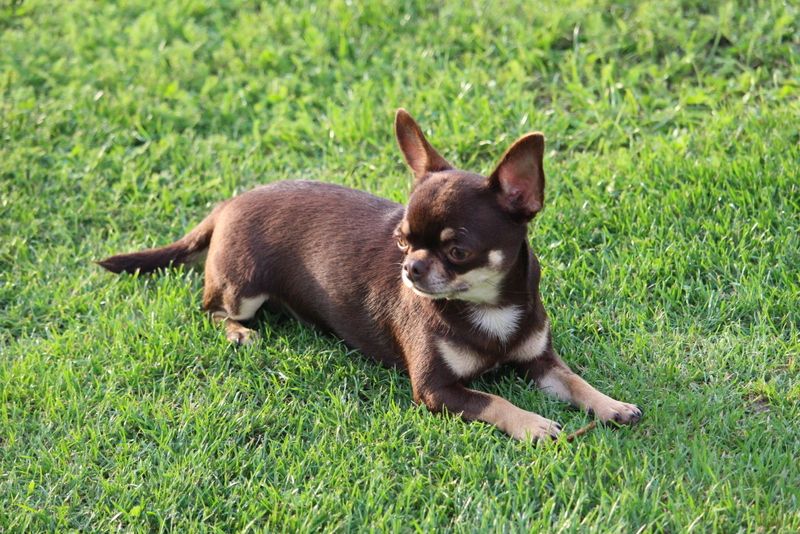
<point x="465" y="300"/>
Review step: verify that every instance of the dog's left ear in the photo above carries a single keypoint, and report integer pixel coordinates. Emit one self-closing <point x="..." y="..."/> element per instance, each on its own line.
<point x="519" y="177"/>
<point x="418" y="152"/>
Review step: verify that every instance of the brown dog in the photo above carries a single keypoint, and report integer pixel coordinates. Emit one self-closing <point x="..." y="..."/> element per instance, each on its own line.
<point x="465" y="300"/>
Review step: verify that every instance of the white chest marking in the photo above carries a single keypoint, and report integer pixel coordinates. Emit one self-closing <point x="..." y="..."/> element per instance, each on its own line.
<point x="498" y="322"/>
<point x="248" y="307"/>
<point x="533" y="346"/>
<point x="463" y="362"/>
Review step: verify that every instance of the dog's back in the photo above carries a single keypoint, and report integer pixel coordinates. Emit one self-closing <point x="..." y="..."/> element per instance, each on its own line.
<point x="322" y="251"/>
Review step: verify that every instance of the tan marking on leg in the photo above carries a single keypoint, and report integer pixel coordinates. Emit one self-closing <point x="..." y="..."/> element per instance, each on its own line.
<point x="463" y="362"/>
<point x="247" y="307"/>
<point x="533" y="346"/>
<point x="554" y="387"/>
<point x="566" y="385"/>
<point x="235" y="331"/>
<point x="518" y="423"/>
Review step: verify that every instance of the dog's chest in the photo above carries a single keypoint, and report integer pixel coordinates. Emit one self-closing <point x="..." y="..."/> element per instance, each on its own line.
<point x="486" y="346"/>
<point x="500" y="323"/>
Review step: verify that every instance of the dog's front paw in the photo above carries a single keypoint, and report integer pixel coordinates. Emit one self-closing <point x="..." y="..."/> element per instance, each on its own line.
<point x="534" y="427"/>
<point x="609" y="410"/>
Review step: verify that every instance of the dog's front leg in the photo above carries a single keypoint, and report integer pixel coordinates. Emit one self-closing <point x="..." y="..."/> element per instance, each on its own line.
<point x="555" y="378"/>
<point x="478" y="406"/>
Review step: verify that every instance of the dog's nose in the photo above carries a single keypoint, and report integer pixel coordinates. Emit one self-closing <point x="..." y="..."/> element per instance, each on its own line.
<point x="416" y="269"/>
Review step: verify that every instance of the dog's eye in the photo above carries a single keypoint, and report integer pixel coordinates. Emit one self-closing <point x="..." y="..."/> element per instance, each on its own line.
<point x="402" y="244"/>
<point x="457" y="254"/>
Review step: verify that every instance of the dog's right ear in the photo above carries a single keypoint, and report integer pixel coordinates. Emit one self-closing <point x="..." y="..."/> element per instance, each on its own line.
<point x="419" y="154"/>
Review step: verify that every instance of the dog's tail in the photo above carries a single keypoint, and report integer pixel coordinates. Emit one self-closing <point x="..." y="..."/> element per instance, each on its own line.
<point x="187" y="249"/>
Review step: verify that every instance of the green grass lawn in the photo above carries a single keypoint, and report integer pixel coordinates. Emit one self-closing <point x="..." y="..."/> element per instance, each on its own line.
<point x="670" y="246"/>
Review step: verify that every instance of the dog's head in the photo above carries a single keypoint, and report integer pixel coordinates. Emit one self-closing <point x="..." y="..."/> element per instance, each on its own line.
<point x="462" y="232"/>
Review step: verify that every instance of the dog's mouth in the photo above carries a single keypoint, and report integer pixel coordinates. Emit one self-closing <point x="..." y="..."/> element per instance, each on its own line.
<point x="434" y="296"/>
<point x="446" y="293"/>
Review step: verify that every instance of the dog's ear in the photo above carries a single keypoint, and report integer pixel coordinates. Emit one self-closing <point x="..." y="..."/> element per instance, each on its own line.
<point x="519" y="177"/>
<point x="419" y="154"/>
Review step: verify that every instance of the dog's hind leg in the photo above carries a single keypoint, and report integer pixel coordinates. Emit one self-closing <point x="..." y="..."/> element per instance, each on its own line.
<point x="229" y="307"/>
<point x="235" y="331"/>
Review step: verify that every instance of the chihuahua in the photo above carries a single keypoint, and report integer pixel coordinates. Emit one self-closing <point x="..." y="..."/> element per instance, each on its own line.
<point x="445" y="287"/>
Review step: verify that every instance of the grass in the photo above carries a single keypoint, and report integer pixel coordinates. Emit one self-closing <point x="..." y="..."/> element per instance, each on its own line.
<point x="669" y="245"/>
